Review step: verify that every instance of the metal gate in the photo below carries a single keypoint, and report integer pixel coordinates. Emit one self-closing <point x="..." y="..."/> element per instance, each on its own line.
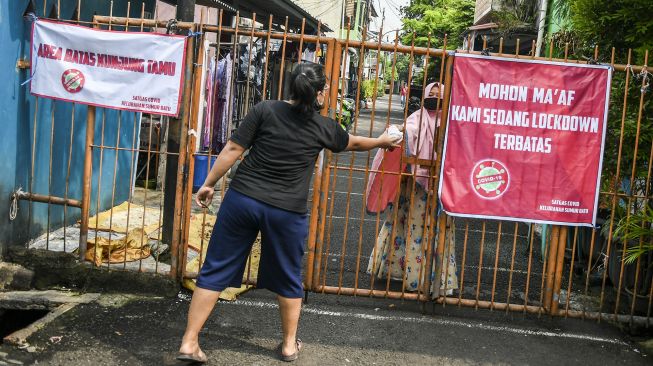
<point x="557" y="270"/>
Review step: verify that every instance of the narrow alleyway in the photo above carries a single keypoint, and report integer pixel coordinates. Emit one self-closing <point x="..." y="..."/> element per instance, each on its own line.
<point x="349" y="217"/>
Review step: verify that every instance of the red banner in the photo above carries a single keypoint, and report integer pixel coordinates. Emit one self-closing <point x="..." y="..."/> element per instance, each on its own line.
<point x="525" y="140"/>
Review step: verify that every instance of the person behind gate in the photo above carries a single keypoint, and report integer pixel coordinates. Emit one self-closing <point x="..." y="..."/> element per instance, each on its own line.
<point x="268" y="194"/>
<point x="401" y="246"/>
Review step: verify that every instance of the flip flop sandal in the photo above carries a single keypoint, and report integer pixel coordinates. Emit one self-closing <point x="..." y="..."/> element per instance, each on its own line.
<point x="190" y="358"/>
<point x="294" y="356"/>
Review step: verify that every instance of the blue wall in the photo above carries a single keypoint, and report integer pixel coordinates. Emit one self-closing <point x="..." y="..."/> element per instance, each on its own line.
<point x="20" y="112"/>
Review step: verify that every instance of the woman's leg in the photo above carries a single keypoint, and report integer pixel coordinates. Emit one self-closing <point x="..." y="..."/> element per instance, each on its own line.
<point x="231" y="240"/>
<point x="200" y="309"/>
<point x="290" y="309"/>
<point x="282" y="246"/>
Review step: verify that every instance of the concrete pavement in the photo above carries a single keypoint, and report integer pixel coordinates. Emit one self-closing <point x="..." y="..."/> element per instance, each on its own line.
<point x="129" y="330"/>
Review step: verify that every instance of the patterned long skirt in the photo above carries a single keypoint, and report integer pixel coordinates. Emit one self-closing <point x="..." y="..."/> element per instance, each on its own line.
<point x="406" y="256"/>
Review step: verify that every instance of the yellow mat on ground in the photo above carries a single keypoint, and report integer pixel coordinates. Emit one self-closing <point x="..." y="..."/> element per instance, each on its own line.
<point x="198" y="238"/>
<point x="194" y="243"/>
<point x="117" y="219"/>
<point x="129" y="248"/>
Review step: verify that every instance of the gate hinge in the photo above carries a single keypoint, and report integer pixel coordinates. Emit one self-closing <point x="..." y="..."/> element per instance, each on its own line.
<point x="23" y="64"/>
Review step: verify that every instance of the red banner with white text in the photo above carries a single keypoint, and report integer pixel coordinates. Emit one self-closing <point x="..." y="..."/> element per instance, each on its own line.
<point x="525" y="140"/>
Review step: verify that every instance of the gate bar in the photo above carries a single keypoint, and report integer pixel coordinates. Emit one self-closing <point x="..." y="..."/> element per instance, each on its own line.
<point x="190" y="160"/>
<point x="34" y="197"/>
<point x="175" y="248"/>
<point x="317" y="183"/>
<point x="560" y="258"/>
<point x="87" y="175"/>
<point x="310" y="38"/>
<point x="436" y="181"/>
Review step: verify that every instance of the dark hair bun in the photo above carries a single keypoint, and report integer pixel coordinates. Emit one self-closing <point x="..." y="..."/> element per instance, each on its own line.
<point x="306" y="80"/>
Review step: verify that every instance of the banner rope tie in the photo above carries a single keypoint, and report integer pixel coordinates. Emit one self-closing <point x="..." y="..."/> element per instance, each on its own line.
<point x="30" y="17"/>
<point x="644" y="75"/>
<point x="13" y="206"/>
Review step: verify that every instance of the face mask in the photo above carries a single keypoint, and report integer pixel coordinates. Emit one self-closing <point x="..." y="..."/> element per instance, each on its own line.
<point x="431" y="103"/>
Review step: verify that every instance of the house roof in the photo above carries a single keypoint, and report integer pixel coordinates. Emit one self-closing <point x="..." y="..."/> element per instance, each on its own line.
<point x="279" y="9"/>
<point x="483" y="26"/>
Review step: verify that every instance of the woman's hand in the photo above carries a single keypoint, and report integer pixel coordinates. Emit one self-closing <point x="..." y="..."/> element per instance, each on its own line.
<point x="390" y="142"/>
<point x="204" y="196"/>
<point x="387" y="142"/>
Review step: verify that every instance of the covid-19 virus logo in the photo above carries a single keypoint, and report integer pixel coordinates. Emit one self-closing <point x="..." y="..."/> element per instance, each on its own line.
<point x="490" y="179"/>
<point x="73" y="80"/>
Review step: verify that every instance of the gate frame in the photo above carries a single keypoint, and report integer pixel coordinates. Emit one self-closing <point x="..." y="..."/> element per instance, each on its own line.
<point x="555" y="258"/>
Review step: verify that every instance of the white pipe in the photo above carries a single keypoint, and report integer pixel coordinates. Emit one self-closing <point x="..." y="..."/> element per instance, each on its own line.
<point x="540" y="27"/>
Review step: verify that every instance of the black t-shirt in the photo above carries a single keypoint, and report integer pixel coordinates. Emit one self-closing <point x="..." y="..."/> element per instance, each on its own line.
<point x="283" y="148"/>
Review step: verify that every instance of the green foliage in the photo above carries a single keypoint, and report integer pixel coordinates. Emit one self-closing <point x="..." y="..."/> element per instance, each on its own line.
<point x="621" y="24"/>
<point x="516" y="14"/>
<point x="615" y="143"/>
<point x="624" y="25"/>
<point x="367" y="89"/>
<point x="380" y="88"/>
<point x="637" y="230"/>
<point x="437" y="17"/>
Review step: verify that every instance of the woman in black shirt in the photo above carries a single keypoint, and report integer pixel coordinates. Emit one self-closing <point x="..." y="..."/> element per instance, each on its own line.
<point x="268" y="194"/>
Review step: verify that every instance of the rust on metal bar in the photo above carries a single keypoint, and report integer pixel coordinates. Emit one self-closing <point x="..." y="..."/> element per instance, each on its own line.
<point x="632" y="182"/>
<point x="67" y="184"/>
<point x="249" y="66"/>
<point x="437" y="149"/>
<point x="616" y="175"/>
<point x="395" y="212"/>
<point x="23" y="64"/>
<point x="366" y="178"/>
<point x="193" y="122"/>
<point x="314" y="38"/>
<point x="382" y="172"/>
<point x="343" y="249"/>
<point x="512" y="262"/>
<point x="496" y="264"/>
<point x="407" y="252"/>
<point x="334" y="49"/>
<point x="488" y="305"/>
<point x="438" y="144"/>
<point x="550" y="263"/>
<point x="33" y="197"/>
<point x="267" y="58"/>
<point x="480" y="265"/>
<point x="113" y="187"/>
<point x="369" y="153"/>
<point x="301" y="39"/>
<point x="147" y="173"/>
<point x="175" y="247"/>
<point x="571" y="271"/>
<point x="315" y="206"/>
<point x="47" y="233"/>
<point x="105" y="147"/>
<point x="333" y="99"/>
<point x="99" y="189"/>
<point x="560" y="258"/>
<point x="283" y="60"/>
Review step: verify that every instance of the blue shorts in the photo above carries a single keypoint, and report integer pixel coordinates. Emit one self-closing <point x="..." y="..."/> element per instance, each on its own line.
<point x="239" y="221"/>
